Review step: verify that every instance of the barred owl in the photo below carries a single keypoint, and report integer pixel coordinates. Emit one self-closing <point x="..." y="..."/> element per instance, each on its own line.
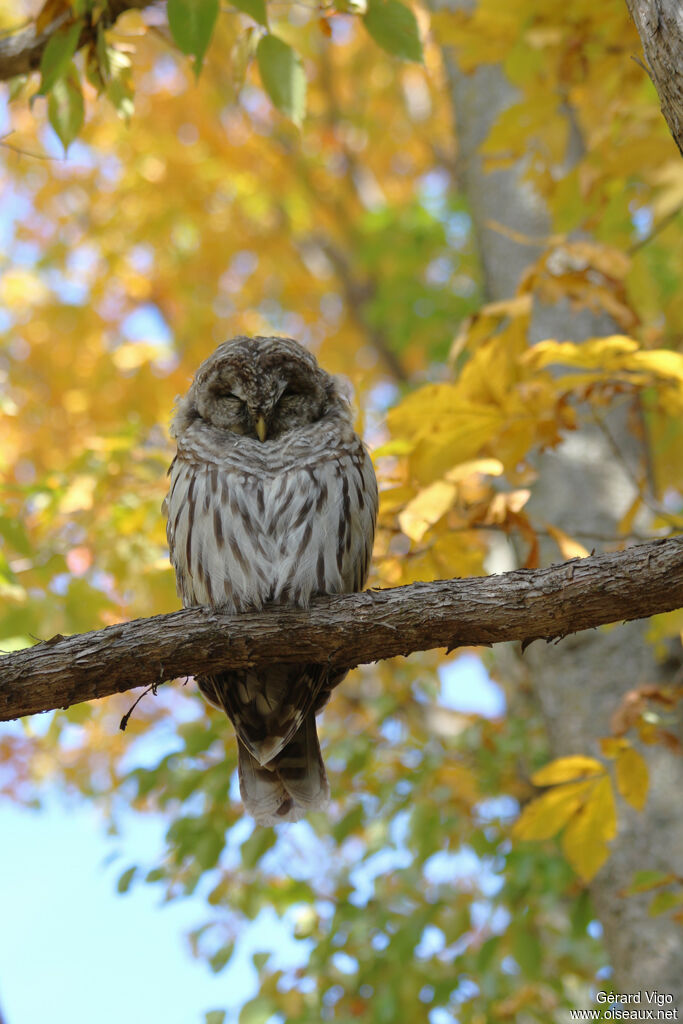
<point x="272" y="499"/>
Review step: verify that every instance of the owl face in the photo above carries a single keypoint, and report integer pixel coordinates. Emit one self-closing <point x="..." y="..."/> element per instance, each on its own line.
<point x="259" y="388"/>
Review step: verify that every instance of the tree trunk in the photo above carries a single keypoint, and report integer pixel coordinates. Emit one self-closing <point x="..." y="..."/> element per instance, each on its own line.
<point x="660" y="27"/>
<point x="579" y="682"/>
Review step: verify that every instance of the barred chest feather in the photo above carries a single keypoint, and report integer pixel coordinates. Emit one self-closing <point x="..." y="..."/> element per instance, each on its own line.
<point x="253" y="522"/>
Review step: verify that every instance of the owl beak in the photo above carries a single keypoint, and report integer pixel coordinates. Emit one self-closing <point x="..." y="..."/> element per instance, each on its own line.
<point x="261" y="428"/>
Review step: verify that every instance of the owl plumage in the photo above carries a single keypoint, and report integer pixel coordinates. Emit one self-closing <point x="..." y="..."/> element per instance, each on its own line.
<point x="272" y="499"/>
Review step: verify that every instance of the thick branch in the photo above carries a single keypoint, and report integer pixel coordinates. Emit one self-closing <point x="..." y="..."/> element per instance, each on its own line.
<point x="660" y="27"/>
<point x="21" y="51"/>
<point x="349" y="630"/>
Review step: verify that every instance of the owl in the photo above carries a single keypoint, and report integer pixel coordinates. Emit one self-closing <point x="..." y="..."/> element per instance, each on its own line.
<point x="272" y="500"/>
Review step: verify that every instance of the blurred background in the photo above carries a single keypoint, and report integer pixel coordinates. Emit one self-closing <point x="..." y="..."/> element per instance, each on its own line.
<point x="426" y="221"/>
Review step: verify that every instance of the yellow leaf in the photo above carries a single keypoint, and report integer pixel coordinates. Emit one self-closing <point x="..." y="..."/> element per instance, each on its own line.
<point x="461" y="781"/>
<point x="457" y="554"/>
<point x="564" y="769"/>
<point x="486" y="323"/>
<point x="547" y="814"/>
<point x="585" y="838"/>
<point x="595" y="354"/>
<point x="612" y="746"/>
<point x="632" y="777"/>
<point x="460" y="437"/>
<point x="426" y="508"/>
<point x="612" y="354"/>
<point x="79" y="495"/>
<point x="486" y="467"/>
<point x="397" y="447"/>
<point x="391" y="499"/>
<point x="670" y="179"/>
<point x="659" y="361"/>
<point x="626" y="522"/>
<point x="21" y="288"/>
<point x="506" y="502"/>
<point x="569" y="547"/>
<point x="134" y="354"/>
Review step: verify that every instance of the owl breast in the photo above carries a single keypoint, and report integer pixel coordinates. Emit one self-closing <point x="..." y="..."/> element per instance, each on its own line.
<point x="280" y="522"/>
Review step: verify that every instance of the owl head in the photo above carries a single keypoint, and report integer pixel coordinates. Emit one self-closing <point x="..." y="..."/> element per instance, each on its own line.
<point x="259" y="388"/>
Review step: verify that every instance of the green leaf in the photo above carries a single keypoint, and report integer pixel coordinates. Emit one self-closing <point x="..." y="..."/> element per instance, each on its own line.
<point x="16" y="86"/>
<point x="65" y="107"/>
<point x="526" y="949"/>
<point x="258" y="843"/>
<point x="57" y="55"/>
<point x="393" y="27"/>
<point x="257" y="1011"/>
<point x="351" y="6"/>
<point x="109" y="69"/>
<point x="581" y="913"/>
<point x="220" y="958"/>
<point x="214" y="1017"/>
<point x="663" y="901"/>
<point x="351" y="822"/>
<point x="208" y="849"/>
<point x="643" y="881"/>
<point x="283" y="77"/>
<point x="488" y="953"/>
<point x="197" y="736"/>
<point x="79" y="713"/>
<point x="93" y="72"/>
<point x="256" y="9"/>
<point x="123" y="884"/>
<point x="15" y="643"/>
<point x="120" y="95"/>
<point x="14" y="532"/>
<point x="192" y="23"/>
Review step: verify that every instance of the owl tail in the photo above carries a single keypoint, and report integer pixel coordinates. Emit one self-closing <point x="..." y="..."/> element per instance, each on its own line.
<point x="290" y="785"/>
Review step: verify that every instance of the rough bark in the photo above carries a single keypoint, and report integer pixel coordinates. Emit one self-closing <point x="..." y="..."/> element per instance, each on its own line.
<point x="348" y="630"/>
<point x="660" y="27"/>
<point x="577" y="683"/>
<point x="21" y="52"/>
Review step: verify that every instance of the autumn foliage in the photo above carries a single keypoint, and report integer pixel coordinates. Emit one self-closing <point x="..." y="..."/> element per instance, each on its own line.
<point x="293" y="169"/>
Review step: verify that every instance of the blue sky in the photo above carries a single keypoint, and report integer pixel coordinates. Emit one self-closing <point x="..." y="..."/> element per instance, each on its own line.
<point x="74" y="951"/>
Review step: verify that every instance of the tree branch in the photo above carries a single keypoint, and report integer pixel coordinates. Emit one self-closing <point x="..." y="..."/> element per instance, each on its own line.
<point x="21" y="52"/>
<point x="348" y="630"/>
<point x="660" y="27"/>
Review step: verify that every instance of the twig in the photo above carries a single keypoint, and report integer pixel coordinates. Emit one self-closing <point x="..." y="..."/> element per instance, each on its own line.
<point x="124" y="721"/>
